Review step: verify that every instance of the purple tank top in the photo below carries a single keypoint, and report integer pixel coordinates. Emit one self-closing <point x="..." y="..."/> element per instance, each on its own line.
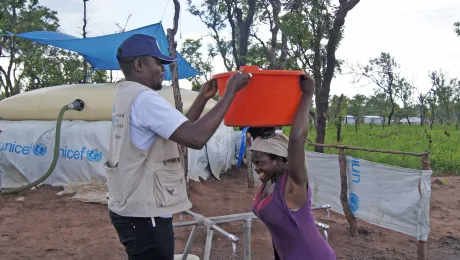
<point x="294" y="234"/>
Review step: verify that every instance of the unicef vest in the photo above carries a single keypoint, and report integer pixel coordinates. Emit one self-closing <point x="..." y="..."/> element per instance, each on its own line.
<point x="142" y="183"/>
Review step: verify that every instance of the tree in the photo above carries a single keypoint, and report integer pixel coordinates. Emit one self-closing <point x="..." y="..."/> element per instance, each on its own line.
<point x="405" y="92"/>
<point x="431" y="100"/>
<point x="382" y="72"/>
<point x="31" y="65"/>
<point x="21" y="16"/>
<point x="443" y="92"/>
<point x="308" y="24"/>
<point x="456" y="100"/>
<point x="241" y="28"/>
<point x="338" y="111"/>
<point x="213" y="14"/>
<point x="356" y="108"/>
<point x="239" y="15"/>
<point x="422" y="99"/>
<point x="379" y="105"/>
<point x="191" y="52"/>
<point x="271" y="54"/>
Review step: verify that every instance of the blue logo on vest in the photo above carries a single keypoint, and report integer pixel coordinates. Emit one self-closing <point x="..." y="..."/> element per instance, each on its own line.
<point x="94" y="155"/>
<point x="353" y="201"/>
<point x="40" y="149"/>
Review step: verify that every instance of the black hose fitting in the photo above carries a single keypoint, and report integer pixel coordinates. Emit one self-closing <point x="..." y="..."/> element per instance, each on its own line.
<point x="78" y="105"/>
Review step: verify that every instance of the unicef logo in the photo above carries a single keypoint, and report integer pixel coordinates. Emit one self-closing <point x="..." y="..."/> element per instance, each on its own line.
<point x="94" y="155"/>
<point x="353" y="201"/>
<point x="40" y="149"/>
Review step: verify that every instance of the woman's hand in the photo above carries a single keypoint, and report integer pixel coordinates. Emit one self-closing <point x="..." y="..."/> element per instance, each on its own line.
<point x="308" y="85"/>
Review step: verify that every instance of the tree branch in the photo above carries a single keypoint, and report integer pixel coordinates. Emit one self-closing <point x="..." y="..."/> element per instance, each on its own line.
<point x="259" y="40"/>
<point x="233" y="26"/>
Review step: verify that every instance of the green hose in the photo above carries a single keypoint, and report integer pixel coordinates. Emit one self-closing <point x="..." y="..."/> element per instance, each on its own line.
<point x="57" y="141"/>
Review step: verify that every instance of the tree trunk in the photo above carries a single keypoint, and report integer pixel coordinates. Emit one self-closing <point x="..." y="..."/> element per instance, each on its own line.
<point x="245" y="28"/>
<point x="339" y="118"/>
<point x="392" y="110"/>
<point x="10" y="88"/>
<point x="322" y="99"/>
<point x="432" y="116"/>
<point x="175" y="79"/>
<point x="230" y="13"/>
<point x="276" y="7"/>
<point x="408" y="121"/>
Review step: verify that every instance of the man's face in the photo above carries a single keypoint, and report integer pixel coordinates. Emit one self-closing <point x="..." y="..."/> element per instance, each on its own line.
<point x="153" y="72"/>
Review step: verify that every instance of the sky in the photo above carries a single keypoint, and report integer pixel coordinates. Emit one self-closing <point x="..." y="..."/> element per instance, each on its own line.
<point x="418" y="33"/>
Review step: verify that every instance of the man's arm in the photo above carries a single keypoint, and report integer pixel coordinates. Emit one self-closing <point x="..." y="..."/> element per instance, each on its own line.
<point x="196" y="134"/>
<point x="207" y="91"/>
<point x="196" y="109"/>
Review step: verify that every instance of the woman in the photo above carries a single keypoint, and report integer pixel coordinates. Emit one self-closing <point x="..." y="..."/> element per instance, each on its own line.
<point x="283" y="202"/>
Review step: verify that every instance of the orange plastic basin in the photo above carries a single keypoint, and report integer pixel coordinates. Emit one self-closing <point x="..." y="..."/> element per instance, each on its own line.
<point x="270" y="98"/>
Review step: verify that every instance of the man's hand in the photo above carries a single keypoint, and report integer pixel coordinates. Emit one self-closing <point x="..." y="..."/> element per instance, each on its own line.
<point x="238" y="81"/>
<point x="307" y="85"/>
<point x="209" y="89"/>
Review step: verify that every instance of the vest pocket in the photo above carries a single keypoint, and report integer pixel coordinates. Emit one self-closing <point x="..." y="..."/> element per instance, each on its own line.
<point x="169" y="188"/>
<point x="114" y="186"/>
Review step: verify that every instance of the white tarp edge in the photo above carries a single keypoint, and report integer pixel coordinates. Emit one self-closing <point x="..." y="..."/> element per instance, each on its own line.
<point x="382" y="195"/>
<point x="27" y="150"/>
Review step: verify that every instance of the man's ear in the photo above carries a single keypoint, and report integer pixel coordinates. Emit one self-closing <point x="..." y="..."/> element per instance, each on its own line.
<point x="138" y="65"/>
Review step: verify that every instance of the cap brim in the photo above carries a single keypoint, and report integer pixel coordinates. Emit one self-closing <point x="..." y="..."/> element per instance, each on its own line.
<point x="165" y="59"/>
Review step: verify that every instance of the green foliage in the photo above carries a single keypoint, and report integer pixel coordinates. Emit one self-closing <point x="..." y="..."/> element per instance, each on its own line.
<point x="444" y="147"/>
<point x="356" y="106"/>
<point x="32" y="65"/>
<point x="191" y="52"/>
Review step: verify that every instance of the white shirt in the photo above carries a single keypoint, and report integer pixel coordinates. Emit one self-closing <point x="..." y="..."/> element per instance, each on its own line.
<point x="152" y="115"/>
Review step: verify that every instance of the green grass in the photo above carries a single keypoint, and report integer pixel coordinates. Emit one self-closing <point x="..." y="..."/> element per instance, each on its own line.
<point x="444" y="150"/>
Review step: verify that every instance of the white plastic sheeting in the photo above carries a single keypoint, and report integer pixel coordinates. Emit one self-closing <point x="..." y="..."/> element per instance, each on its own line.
<point x="26" y="152"/>
<point x="379" y="194"/>
<point x="215" y="158"/>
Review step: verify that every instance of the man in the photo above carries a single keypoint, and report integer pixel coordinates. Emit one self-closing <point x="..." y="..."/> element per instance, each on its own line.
<point x="145" y="177"/>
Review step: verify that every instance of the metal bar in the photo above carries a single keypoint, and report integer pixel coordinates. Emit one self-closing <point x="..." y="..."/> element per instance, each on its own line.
<point x="212" y="225"/>
<point x="239" y="217"/>
<point x="211" y="222"/>
<point x="322" y="225"/>
<point x="231" y="237"/>
<point x="231" y="218"/>
<point x="189" y="244"/>
<point x="208" y="246"/>
<point x="325" y="206"/>
<point x="186" y="223"/>
<point x="247" y="224"/>
<point x="326" y="235"/>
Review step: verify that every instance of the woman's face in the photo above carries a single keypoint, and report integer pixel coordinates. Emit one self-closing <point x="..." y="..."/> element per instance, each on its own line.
<point x="265" y="167"/>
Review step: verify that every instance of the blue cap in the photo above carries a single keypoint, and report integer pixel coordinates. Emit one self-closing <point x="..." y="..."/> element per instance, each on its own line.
<point x="142" y="45"/>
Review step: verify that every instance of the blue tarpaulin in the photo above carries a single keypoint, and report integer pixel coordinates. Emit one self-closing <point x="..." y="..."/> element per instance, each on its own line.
<point x="101" y="51"/>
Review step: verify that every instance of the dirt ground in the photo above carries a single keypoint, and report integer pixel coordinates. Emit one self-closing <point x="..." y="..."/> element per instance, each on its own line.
<point x="47" y="226"/>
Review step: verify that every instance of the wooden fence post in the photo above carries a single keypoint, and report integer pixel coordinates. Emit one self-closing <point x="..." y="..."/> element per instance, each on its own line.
<point x="344" y="193"/>
<point x="421" y="245"/>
